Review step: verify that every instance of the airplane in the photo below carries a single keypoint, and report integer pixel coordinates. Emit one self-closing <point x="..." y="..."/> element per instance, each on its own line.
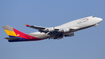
<point x="58" y="32"/>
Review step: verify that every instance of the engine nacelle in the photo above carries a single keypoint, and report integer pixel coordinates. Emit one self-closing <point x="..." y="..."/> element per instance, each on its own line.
<point x="59" y="37"/>
<point x="51" y="29"/>
<point x="43" y="30"/>
<point x="60" y="30"/>
<point x="66" y="30"/>
<point x="69" y="35"/>
<point x="47" y="30"/>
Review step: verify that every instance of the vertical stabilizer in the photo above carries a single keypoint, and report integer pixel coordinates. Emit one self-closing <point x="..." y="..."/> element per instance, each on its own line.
<point x="9" y="30"/>
<point x="14" y="35"/>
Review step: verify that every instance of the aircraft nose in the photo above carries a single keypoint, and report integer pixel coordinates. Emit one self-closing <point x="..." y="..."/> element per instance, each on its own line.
<point x="100" y="19"/>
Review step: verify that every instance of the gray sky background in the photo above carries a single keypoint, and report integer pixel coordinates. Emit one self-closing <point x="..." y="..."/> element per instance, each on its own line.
<point x="86" y="44"/>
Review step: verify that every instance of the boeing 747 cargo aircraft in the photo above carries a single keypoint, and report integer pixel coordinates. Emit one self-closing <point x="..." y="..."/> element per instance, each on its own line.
<point x="58" y="32"/>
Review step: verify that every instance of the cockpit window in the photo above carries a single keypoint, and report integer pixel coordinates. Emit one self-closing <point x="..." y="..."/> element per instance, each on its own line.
<point x="93" y="16"/>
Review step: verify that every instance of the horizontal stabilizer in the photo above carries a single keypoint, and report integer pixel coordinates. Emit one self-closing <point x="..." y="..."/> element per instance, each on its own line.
<point x="12" y="38"/>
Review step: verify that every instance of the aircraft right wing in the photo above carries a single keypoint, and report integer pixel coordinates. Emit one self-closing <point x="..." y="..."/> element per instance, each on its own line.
<point x="42" y="29"/>
<point x="35" y="27"/>
<point x="52" y="29"/>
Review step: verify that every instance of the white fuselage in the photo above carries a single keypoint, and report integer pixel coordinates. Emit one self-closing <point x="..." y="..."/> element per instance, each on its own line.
<point x="75" y="25"/>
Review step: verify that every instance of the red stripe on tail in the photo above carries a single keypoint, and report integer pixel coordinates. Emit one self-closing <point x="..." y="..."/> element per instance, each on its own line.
<point x="26" y="36"/>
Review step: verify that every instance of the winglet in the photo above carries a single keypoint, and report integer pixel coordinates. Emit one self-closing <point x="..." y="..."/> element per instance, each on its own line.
<point x="27" y="25"/>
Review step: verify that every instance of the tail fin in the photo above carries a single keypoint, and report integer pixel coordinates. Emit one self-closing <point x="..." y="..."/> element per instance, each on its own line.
<point x="16" y="35"/>
<point x="9" y="30"/>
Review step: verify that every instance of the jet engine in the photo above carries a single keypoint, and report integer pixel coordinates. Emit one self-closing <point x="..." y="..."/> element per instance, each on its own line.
<point x="69" y="35"/>
<point x="51" y="29"/>
<point x="43" y="30"/>
<point x="47" y="30"/>
<point x="66" y="30"/>
<point x="59" y="37"/>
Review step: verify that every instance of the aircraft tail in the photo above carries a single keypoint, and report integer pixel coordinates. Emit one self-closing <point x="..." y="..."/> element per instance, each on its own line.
<point x="16" y="35"/>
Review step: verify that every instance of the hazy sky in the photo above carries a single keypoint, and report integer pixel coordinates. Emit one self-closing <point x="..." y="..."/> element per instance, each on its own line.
<point x="86" y="44"/>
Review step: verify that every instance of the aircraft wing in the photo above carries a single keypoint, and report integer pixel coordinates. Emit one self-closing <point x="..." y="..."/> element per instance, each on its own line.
<point x="42" y="29"/>
<point x="45" y="30"/>
<point x="35" y="27"/>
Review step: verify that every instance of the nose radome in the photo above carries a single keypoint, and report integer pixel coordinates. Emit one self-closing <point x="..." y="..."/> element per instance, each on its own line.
<point x="100" y="19"/>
